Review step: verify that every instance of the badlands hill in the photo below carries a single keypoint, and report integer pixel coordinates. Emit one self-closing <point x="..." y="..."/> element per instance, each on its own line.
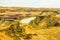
<point x="22" y="23"/>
